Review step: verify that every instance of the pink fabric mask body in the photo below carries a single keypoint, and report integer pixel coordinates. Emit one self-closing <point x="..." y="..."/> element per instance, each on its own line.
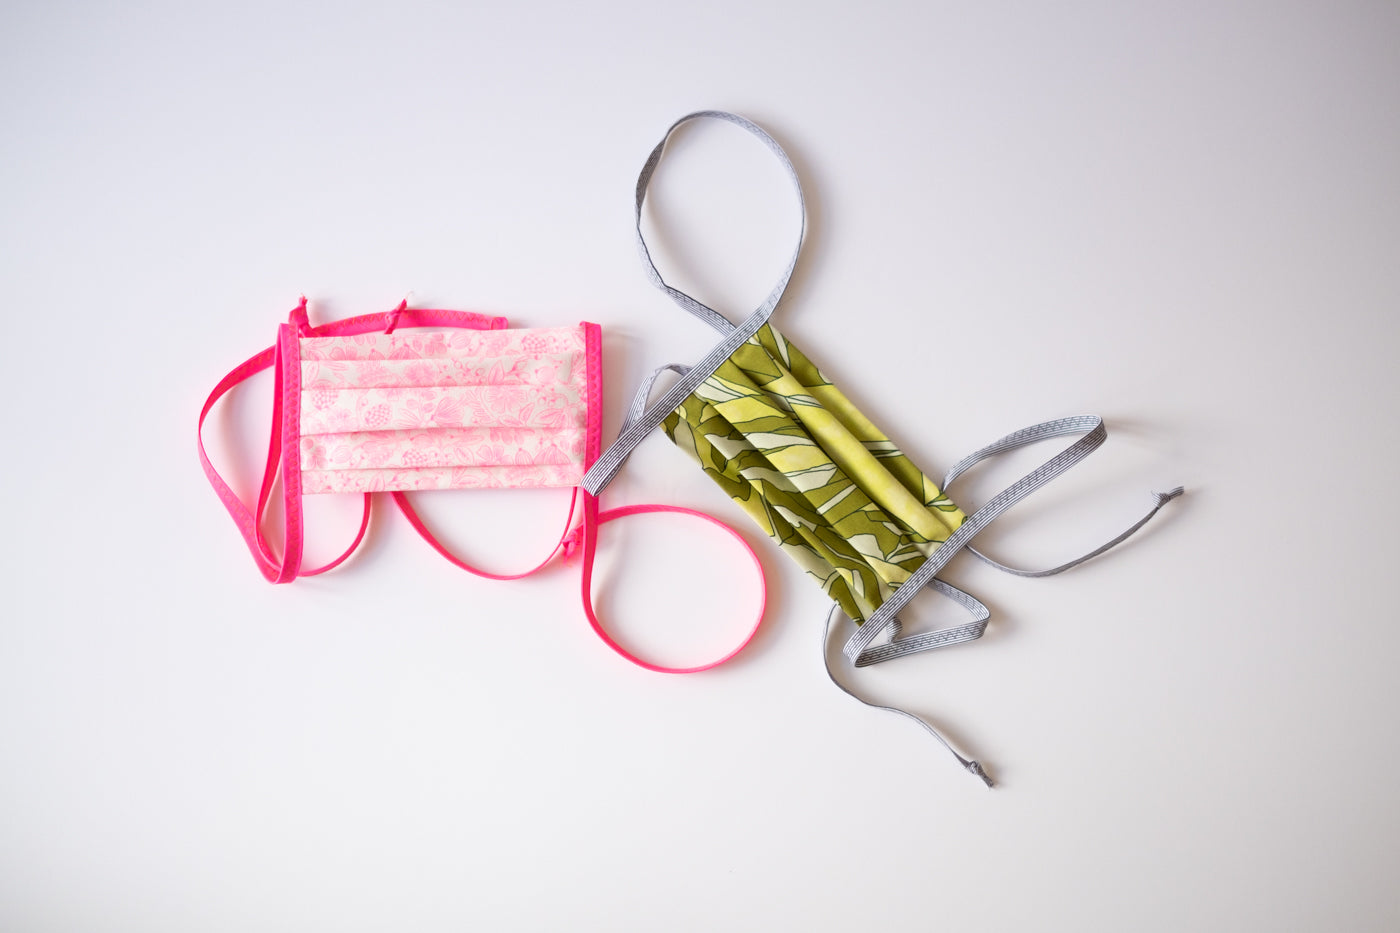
<point x="449" y="409"/>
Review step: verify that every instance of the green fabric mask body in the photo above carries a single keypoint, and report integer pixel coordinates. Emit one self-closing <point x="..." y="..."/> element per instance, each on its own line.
<point x="815" y="474"/>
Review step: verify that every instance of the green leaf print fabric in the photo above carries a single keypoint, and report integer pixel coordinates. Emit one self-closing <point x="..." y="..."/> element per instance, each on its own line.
<point x="835" y="493"/>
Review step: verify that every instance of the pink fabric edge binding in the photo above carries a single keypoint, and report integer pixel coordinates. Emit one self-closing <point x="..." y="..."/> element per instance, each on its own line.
<point x="289" y="391"/>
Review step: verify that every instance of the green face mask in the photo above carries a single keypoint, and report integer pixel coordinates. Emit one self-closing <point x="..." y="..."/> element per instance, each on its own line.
<point x="837" y="495"/>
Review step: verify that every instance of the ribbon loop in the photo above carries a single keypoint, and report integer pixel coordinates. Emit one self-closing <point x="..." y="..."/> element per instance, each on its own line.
<point x="592" y="519"/>
<point x="607" y="466"/>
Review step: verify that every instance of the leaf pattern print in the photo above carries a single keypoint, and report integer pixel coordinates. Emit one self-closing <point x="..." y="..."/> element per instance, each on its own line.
<point x="835" y="493"/>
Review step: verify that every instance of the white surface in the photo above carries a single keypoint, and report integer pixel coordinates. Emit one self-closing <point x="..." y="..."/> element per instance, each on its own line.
<point x="1183" y="216"/>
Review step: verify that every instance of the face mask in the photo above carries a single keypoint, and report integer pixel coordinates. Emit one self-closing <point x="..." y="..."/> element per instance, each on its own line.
<point x="838" y="496"/>
<point x="363" y="407"/>
<point x="444" y="409"/>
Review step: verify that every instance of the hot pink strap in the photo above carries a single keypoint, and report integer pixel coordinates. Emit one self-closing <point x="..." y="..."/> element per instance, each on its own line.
<point x="588" y="531"/>
<point x="401" y="500"/>
<point x="284" y="451"/>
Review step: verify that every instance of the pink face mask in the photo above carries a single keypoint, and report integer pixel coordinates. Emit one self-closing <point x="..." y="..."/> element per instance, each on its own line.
<point x="445" y="409"/>
<point x="466" y="402"/>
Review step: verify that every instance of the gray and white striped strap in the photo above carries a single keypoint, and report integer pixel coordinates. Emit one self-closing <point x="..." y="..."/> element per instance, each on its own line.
<point x="638" y="407"/>
<point x="607" y="465"/>
<point x="858" y="648"/>
<point x="970" y="764"/>
<point x="1011" y="442"/>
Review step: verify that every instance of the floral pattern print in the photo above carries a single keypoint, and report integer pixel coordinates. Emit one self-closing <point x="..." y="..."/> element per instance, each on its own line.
<point x="438" y="447"/>
<point x="542" y="370"/>
<point x="335" y="411"/>
<point x="833" y="491"/>
<point x="443" y="410"/>
<point x="493" y="477"/>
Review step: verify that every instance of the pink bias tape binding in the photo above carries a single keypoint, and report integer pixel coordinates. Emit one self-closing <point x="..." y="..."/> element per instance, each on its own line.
<point x="284" y="461"/>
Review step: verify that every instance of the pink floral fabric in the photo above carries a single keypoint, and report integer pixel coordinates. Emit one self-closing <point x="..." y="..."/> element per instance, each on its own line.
<point x="338" y="411"/>
<point x="542" y="370"/>
<point x="444" y="344"/>
<point x="443" y="410"/>
<point x="496" y="477"/>
<point x="437" y="447"/>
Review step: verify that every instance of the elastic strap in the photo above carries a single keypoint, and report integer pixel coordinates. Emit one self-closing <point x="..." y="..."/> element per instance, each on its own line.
<point x="284" y="451"/>
<point x="735" y="336"/>
<point x="970" y="764"/>
<point x="898" y="645"/>
<point x="587" y="535"/>
<point x="401" y="500"/>
<point x="638" y="407"/>
<point x="1011" y="442"/>
<point x="858" y="649"/>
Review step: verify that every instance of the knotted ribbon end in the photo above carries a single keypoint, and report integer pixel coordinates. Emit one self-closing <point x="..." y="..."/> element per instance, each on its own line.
<point x="976" y="768"/>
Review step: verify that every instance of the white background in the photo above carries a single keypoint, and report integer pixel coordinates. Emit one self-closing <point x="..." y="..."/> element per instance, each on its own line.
<point x="1183" y="216"/>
